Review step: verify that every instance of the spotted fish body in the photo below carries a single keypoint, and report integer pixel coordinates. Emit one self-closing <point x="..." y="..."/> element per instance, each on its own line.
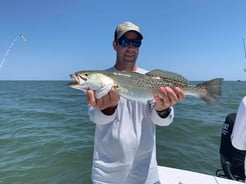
<point x="141" y="87"/>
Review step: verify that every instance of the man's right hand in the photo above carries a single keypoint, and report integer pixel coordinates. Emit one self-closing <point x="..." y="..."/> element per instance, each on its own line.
<point x="107" y="104"/>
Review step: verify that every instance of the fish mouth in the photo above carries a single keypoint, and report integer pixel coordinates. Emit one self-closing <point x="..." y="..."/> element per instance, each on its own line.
<point x="75" y="83"/>
<point x="78" y="79"/>
<point x="79" y="82"/>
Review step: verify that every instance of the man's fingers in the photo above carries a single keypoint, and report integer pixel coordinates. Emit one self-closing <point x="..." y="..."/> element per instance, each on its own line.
<point x="91" y="98"/>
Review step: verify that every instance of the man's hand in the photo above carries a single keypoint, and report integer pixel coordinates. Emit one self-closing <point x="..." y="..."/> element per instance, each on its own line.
<point x="107" y="104"/>
<point x="167" y="97"/>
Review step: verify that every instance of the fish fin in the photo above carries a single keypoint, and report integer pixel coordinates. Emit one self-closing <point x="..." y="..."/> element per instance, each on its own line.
<point x="213" y="90"/>
<point x="167" y="76"/>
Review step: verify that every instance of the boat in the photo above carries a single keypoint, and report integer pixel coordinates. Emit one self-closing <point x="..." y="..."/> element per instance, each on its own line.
<point x="232" y="163"/>
<point x="170" y="175"/>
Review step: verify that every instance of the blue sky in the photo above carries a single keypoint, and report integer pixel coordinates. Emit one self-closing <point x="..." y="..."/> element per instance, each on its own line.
<point x="200" y="39"/>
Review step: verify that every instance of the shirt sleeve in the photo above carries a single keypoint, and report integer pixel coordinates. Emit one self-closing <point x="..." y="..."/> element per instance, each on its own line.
<point x="162" y="121"/>
<point x="99" y="118"/>
<point x="239" y="130"/>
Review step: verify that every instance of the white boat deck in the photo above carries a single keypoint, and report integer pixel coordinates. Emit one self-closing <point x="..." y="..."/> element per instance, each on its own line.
<point x="169" y="175"/>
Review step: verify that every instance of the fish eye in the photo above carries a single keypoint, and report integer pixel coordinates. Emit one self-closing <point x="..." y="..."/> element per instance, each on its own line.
<point x="86" y="74"/>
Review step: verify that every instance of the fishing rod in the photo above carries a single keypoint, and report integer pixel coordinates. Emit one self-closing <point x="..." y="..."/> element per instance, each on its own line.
<point x="22" y="37"/>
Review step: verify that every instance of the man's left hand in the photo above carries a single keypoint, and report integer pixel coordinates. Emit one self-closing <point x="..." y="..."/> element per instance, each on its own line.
<point x="167" y="97"/>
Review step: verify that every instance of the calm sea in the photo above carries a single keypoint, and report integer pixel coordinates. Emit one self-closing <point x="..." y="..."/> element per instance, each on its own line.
<point x="46" y="136"/>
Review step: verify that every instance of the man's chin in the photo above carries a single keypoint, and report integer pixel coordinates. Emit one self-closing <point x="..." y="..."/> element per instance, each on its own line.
<point x="129" y="62"/>
<point x="130" y="59"/>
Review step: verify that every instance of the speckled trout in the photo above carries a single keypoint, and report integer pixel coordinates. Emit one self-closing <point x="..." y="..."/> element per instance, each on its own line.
<point x="141" y="87"/>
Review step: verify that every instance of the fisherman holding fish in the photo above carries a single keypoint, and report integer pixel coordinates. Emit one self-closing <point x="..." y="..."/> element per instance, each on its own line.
<point x="125" y="135"/>
<point x="125" y="103"/>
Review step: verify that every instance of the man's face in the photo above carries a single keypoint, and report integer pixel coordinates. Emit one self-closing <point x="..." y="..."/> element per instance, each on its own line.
<point x="127" y="56"/>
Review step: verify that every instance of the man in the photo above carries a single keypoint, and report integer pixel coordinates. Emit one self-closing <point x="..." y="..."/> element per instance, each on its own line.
<point x="239" y="130"/>
<point x="125" y="143"/>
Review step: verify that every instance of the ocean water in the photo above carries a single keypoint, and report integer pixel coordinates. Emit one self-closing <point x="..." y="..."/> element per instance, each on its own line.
<point x="46" y="136"/>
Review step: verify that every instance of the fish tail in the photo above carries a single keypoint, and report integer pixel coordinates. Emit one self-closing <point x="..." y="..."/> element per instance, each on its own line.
<point x="211" y="90"/>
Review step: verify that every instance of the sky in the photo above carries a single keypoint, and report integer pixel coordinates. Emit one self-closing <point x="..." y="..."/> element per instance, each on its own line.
<point x="199" y="39"/>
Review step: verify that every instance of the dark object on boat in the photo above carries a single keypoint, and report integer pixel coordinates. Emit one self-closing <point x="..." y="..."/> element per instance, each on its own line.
<point x="232" y="159"/>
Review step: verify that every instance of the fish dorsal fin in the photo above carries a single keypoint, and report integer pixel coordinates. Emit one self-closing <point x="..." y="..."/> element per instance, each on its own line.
<point x="168" y="76"/>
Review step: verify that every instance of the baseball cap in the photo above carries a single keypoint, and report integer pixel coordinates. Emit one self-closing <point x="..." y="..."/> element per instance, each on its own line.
<point x="121" y="29"/>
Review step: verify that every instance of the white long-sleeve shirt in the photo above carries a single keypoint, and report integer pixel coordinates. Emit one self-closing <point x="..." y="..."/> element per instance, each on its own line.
<point x="125" y="143"/>
<point x="238" y="136"/>
<point x="239" y="129"/>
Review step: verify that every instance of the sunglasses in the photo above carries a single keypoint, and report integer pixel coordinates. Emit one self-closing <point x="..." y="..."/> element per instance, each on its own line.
<point x="125" y="42"/>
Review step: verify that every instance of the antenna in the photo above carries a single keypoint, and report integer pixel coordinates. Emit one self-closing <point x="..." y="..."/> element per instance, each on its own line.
<point x="244" y="48"/>
<point x="244" y="52"/>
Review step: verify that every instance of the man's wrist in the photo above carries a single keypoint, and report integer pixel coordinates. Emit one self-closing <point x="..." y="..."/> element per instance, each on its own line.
<point x="164" y="113"/>
<point x="109" y="111"/>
